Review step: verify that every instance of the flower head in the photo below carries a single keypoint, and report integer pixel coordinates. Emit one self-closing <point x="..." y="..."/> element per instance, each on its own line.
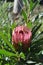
<point x="21" y="34"/>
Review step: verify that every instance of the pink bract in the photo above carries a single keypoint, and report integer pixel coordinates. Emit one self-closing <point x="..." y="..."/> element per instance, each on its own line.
<point x="21" y="34"/>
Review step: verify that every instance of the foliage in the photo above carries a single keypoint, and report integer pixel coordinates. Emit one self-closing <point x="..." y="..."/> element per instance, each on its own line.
<point x="8" y="54"/>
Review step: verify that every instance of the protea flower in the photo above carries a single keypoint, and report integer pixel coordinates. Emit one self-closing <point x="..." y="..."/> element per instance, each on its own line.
<point x="21" y="34"/>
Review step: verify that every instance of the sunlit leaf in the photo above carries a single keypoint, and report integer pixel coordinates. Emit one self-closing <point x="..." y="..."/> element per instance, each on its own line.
<point x="25" y="1"/>
<point x="13" y="25"/>
<point x="6" y="53"/>
<point x="29" y="24"/>
<point x="31" y="62"/>
<point x="35" y="29"/>
<point x="22" y="55"/>
<point x="32" y="5"/>
<point x="6" y="41"/>
<point x="24" y="15"/>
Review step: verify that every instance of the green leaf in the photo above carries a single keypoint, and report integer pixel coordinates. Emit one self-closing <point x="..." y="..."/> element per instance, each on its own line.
<point x="6" y="53"/>
<point x="25" y="1"/>
<point x="35" y="29"/>
<point x="32" y="5"/>
<point x="0" y="57"/>
<point x="13" y="25"/>
<point x="29" y="24"/>
<point x="37" y="45"/>
<point x="22" y="55"/>
<point x="7" y="64"/>
<point x="38" y="36"/>
<point x="6" y="41"/>
<point x="37" y="41"/>
<point x="24" y="15"/>
<point x="41" y="52"/>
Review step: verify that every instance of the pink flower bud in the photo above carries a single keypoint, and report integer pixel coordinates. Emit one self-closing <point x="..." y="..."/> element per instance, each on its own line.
<point x="21" y="34"/>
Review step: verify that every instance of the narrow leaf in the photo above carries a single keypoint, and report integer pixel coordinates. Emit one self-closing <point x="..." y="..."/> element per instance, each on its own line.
<point x="29" y="24"/>
<point x="6" y="53"/>
<point x="6" y="41"/>
<point x="32" y="5"/>
<point x="24" y="15"/>
<point x="35" y="29"/>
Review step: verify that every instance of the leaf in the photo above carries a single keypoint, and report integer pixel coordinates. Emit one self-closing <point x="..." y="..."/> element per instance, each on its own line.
<point x="41" y="52"/>
<point x="6" y="53"/>
<point x="29" y="24"/>
<point x="35" y="29"/>
<point x="6" y="41"/>
<point x="38" y="42"/>
<point x="13" y="25"/>
<point x="38" y="36"/>
<point x="37" y="46"/>
<point x="32" y="5"/>
<point x="0" y="57"/>
<point x="22" y="55"/>
<point x="25" y="1"/>
<point x="24" y="15"/>
<point x="30" y="62"/>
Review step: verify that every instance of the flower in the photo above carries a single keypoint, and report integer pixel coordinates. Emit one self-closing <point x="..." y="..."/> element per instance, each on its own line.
<point x="21" y="34"/>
